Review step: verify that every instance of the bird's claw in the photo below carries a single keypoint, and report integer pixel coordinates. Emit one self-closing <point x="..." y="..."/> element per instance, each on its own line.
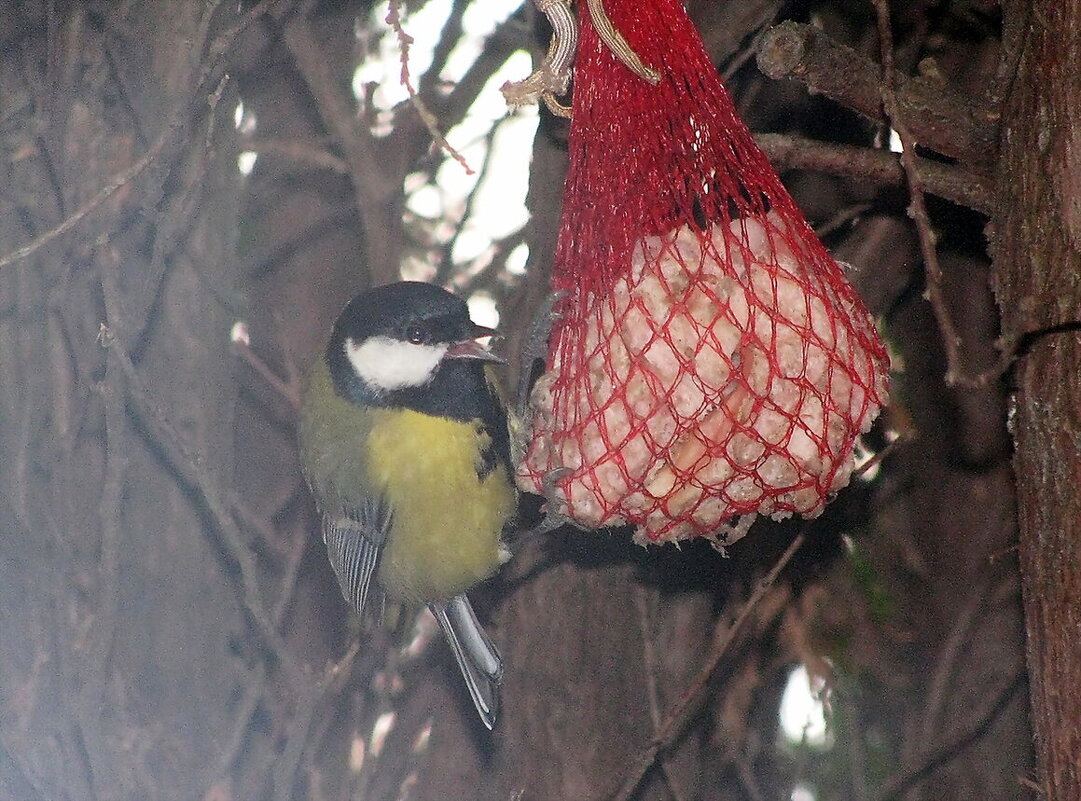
<point x="535" y="346"/>
<point x="555" y="507"/>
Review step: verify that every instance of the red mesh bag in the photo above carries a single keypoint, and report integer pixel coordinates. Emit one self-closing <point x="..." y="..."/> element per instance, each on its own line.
<point x="710" y="360"/>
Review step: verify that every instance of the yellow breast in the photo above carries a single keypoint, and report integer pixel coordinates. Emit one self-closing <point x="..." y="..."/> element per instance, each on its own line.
<point x="447" y="522"/>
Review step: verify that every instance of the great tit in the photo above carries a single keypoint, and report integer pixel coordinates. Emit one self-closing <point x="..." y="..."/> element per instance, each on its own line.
<point x="404" y="443"/>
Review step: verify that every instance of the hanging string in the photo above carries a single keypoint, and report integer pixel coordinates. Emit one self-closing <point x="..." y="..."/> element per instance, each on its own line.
<point x="552" y="79"/>
<point x="431" y="122"/>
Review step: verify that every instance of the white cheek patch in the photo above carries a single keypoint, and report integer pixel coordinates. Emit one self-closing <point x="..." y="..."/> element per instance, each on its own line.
<point x="387" y="364"/>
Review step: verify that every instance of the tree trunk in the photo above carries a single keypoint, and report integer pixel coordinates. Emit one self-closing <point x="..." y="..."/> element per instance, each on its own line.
<point x="116" y="611"/>
<point x="1038" y="265"/>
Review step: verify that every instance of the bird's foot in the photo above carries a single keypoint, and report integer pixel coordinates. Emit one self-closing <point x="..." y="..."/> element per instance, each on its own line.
<point x="535" y="347"/>
<point x="555" y="507"/>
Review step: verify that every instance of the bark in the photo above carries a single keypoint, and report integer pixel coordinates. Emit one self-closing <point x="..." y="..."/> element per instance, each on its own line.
<point x="944" y="120"/>
<point x="116" y="611"/>
<point x="1038" y="264"/>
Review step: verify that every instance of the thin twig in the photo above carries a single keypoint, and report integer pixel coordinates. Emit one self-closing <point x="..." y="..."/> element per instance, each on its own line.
<point x="118" y="181"/>
<point x="17" y="778"/>
<point x="329" y="682"/>
<point x="375" y="182"/>
<point x="509" y="37"/>
<point x="179" y="214"/>
<point x="431" y="122"/>
<point x="953" y="182"/>
<point x="844" y="217"/>
<point x="747" y="778"/>
<point x="446" y="264"/>
<point x="492" y="276"/>
<point x="255" y="683"/>
<point x="941" y="119"/>
<point x="94" y="677"/>
<point x="649" y="654"/>
<point x="287" y="590"/>
<point x="267" y="536"/>
<point x="313" y="153"/>
<point x="179" y="454"/>
<point x="168" y="136"/>
<point x="337" y="114"/>
<point x="649" y="660"/>
<point x="955" y="375"/>
<point x="287" y="389"/>
<point x="918" y="205"/>
<point x="956" y="644"/>
<point x="229" y="746"/>
<point x="980" y="721"/>
<point x="449" y="37"/>
<point x="686" y="708"/>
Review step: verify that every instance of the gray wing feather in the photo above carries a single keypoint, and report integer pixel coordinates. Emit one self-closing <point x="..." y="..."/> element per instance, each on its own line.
<point x="477" y="657"/>
<point x="354" y="540"/>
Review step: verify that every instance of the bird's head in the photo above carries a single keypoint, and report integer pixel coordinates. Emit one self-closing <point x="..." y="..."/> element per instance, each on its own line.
<point x="395" y="337"/>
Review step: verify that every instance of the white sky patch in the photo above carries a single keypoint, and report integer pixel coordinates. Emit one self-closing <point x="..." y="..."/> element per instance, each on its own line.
<point x="471" y="244"/>
<point x="424" y="629"/>
<point x="424" y="736"/>
<point x="482" y="310"/>
<point x="383" y="66"/>
<point x="415" y="267"/>
<point x="244" y="118"/>
<point x="500" y="198"/>
<point x="239" y="333"/>
<point x="803" y="711"/>
<point x="490" y="104"/>
<point x="440" y="210"/>
<point x="245" y="162"/>
<point x="479" y="21"/>
<point x="517" y="259"/>
<point x="426" y="202"/>
<point x="380" y="729"/>
<point x="498" y="207"/>
<point x="895" y="142"/>
<point x="864" y="469"/>
<point x="244" y="122"/>
<point x="357" y="752"/>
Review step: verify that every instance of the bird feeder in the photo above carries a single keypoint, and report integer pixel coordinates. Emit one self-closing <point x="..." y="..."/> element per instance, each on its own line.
<point x="709" y="362"/>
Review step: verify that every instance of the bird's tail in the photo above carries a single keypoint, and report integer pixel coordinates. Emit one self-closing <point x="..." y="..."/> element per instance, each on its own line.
<point x="477" y="657"/>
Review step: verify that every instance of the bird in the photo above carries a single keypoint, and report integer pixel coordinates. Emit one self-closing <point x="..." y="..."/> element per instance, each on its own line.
<point x="405" y="445"/>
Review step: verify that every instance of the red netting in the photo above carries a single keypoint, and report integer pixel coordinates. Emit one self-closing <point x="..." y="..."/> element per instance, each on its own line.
<point x="711" y="359"/>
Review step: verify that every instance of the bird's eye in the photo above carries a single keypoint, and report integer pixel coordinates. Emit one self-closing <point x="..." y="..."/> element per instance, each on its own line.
<point x="414" y="334"/>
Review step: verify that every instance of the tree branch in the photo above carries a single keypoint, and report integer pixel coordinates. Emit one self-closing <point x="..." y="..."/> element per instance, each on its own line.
<point x="928" y="239"/>
<point x="179" y="455"/>
<point x="1037" y="256"/>
<point x="687" y="707"/>
<point x="981" y="719"/>
<point x="954" y="183"/>
<point x="172" y="136"/>
<point x="313" y="153"/>
<point x="940" y="119"/>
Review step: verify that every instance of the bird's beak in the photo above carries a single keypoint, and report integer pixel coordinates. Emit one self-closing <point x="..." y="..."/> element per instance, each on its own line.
<point x="471" y="349"/>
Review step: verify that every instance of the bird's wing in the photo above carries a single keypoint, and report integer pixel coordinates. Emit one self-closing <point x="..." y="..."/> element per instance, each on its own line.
<point x="354" y="541"/>
<point x="477" y="657"/>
